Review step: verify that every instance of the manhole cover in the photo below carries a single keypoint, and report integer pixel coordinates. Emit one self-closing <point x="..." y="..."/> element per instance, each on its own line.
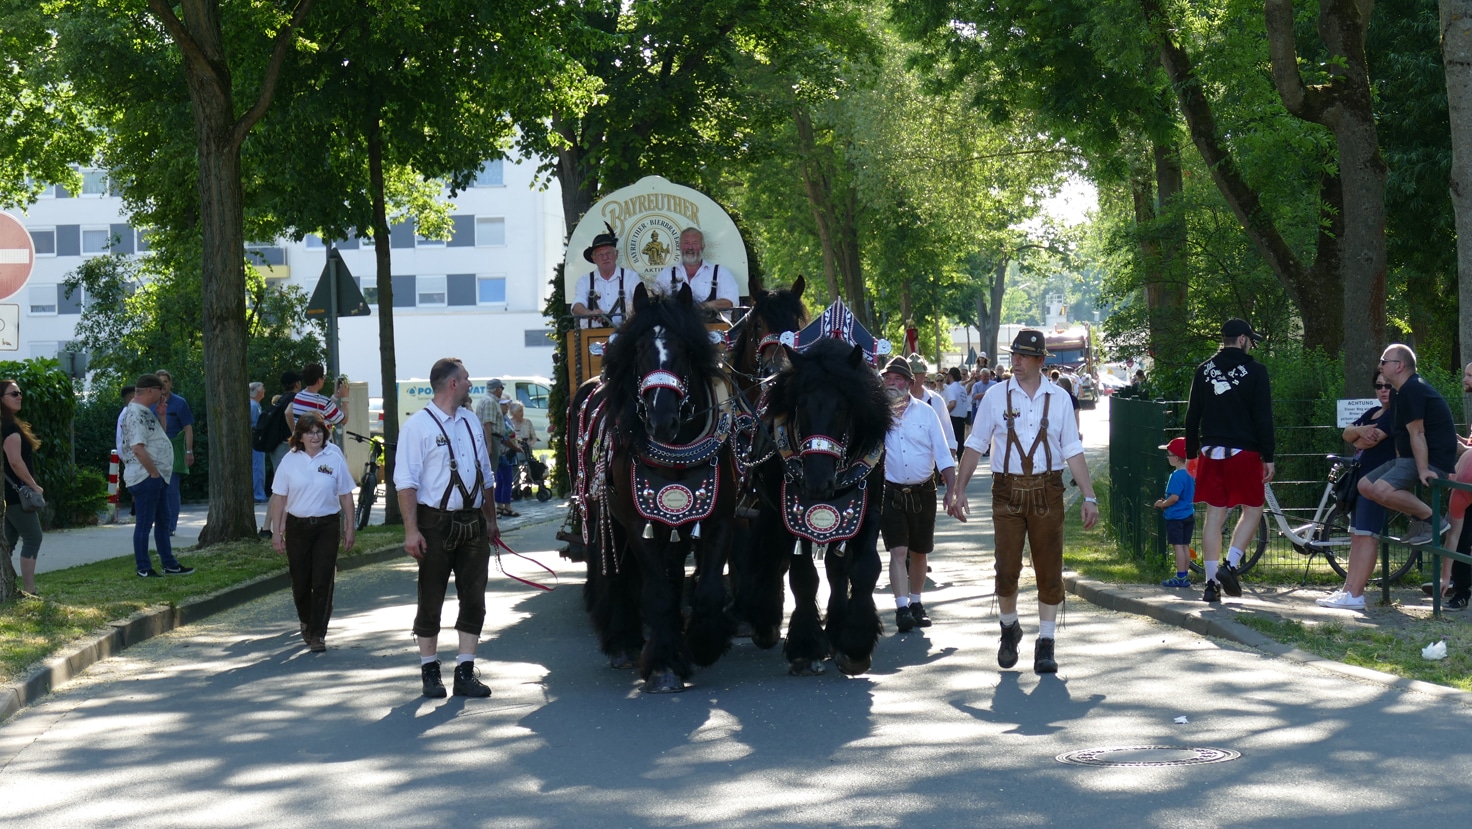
<point x="1148" y="756"/>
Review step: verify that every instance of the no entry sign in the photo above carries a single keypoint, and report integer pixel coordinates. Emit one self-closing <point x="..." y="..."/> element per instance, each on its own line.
<point x="17" y="255"/>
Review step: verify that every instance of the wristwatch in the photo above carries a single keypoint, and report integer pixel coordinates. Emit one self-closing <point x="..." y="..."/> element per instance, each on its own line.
<point x="1089" y="500"/>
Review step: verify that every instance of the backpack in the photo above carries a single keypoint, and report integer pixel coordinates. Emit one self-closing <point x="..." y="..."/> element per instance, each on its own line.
<point x="270" y="429"/>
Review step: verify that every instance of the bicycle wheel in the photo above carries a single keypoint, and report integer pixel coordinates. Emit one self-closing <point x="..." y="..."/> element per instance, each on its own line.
<point x="544" y="494"/>
<point x="367" y="494"/>
<point x="1402" y="560"/>
<point x="1250" y="555"/>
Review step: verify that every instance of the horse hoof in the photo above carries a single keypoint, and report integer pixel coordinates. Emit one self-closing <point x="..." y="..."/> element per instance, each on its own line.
<point x="805" y="667"/>
<point x="851" y="666"/>
<point x="766" y="637"/>
<point x="621" y="661"/>
<point x="665" y="682"/>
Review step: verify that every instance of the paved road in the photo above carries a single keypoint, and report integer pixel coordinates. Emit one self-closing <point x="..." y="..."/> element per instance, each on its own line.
<point x="230" y="723"/>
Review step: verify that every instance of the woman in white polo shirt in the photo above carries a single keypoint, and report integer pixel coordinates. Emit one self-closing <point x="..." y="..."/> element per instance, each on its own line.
<point x="314" y="490"/>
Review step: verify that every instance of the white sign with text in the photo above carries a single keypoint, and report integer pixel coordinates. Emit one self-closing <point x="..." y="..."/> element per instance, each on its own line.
<point x="1350" y="410"/>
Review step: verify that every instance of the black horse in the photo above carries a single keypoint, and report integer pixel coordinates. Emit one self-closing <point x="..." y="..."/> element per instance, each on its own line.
<point x="756" y="348"/>
<point x="829" y="413"/>
<point x="655" y="475"/>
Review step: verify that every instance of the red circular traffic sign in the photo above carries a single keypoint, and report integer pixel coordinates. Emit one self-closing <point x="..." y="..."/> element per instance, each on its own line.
<point x="17" y="255"/>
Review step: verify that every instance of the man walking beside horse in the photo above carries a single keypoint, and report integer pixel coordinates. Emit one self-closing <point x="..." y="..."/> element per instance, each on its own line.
<point x="1027" y="422"/>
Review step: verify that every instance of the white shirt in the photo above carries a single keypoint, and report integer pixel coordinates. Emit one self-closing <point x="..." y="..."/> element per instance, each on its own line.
<point x="422" y="461"/>
<point x="607" y="290"/>
<point x="118" y="443"/>
<point x="956" y="392"/>
<point x="915" y="446"/>
<point x="990" y="426"/>
<point x="700" y="283"/>
<point x="313" y="486"/>
<point x="140" y="425"/>
<point x="938" y="403"/>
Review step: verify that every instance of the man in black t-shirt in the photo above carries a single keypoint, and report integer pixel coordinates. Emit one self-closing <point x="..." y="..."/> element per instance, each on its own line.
<point x="1425" y="444"/>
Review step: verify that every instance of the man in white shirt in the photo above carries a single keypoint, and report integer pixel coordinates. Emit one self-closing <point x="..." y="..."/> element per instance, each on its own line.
<point x="711" y="285"/>
<point x="602" y="293"/>
<point x="444" y="478"/>
<point x="148" y="459"/>
<point x="1028" y="423"/>
<point x="920" y="370"/>
<point x="914" y="448"/>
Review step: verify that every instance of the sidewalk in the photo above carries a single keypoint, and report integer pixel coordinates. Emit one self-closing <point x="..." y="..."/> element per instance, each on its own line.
<point x="61" y="549"/>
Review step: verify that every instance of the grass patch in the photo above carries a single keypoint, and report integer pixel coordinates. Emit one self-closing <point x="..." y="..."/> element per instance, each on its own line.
<point x="1094" y="554"/>
<point x="1394" y="650"/>
<point x="84" y="599"/>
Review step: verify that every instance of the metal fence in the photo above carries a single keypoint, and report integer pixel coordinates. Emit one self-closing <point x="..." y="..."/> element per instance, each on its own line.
<point x="1138" y="472"/>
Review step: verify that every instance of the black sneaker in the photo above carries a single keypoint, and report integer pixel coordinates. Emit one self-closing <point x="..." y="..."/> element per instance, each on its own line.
<point x="433" y="685"/>
<point x="150" y="573"/>
<point x="1456" y="603"/>
<point x="1226" y="576"/>
<point x="917" y="612"/>
<point x="1007" y="653"/>
<point x="1042" y="657"/>
<point x="903" y="620"/>
<point x="181" y="570"/>
<point x="1212" y="594"/>
<point x="466" y="684"/>
<point x="264" y="535"/>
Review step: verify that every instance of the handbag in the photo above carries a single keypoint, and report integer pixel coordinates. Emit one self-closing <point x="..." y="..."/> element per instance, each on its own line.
<point x="30" y="499"/>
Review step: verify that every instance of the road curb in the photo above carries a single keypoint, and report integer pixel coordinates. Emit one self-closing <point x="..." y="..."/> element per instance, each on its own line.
<point x="1211" y="621"/>
<point x="146" y="624"/>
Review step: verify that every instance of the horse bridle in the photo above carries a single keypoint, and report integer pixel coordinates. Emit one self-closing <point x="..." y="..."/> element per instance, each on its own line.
<point x="663" y="378"/>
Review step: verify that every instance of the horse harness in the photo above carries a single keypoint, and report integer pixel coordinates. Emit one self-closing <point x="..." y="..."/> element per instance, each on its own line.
<point x="827" y="520"/>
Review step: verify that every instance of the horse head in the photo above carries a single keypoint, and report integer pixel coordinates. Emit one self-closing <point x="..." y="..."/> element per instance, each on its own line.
<point x="757" y="347"/>
<point x="668" y="348"/>
<point x="835" y="410"/>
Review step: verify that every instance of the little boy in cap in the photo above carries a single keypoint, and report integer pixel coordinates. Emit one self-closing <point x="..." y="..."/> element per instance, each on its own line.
<point x="1180" y="514"/>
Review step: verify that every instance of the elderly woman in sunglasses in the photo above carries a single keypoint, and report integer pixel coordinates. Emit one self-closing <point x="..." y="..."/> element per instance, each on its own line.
<point x="1370" y="436"/>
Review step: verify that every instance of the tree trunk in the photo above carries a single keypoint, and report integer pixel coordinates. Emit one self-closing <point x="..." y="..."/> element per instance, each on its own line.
<point x="383" y="267"/>
<point x="818" y="184"/>
<point x="219" y="135"/>
<point x="1166" y="294"/>
<point x="989" y="311"/>
<point x="579" y="187"/>
<point x="1321" y="328"/>
<point x="1456" y="54"/>
<point x="850" y="261"/>
<point x="9" y="582"/>
<point x="1344" y="105"/>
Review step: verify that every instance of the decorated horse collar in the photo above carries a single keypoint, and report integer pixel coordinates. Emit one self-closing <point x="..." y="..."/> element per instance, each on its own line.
<point x="850" y="475"/>
<point x="702" y="449"/>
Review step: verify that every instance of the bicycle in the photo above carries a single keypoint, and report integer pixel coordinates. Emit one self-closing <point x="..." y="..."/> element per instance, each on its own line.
<point x="368" y="484"/>
<point x="1327" y="534"/>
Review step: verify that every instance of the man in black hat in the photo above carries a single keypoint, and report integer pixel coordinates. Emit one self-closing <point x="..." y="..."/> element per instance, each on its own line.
<point x="1027" y="423"/>
<point x="601" y="293"/>
<point x="913" y="449"/>
<point x="1229" y="424"/>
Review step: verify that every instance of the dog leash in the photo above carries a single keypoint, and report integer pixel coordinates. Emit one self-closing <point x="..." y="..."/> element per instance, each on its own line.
<point x="501" y="545"/>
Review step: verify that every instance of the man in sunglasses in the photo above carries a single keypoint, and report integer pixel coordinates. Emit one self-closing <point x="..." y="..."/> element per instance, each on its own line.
<point x="1425" y="444"/>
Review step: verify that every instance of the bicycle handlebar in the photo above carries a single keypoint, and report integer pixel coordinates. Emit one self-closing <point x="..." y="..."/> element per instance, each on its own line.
<point x="368" y="438"/>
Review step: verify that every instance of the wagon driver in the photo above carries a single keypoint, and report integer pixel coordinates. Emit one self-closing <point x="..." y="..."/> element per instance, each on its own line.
<point x="599" y="298"/>
<point x="711" y="285"/>
<point x="1028" y="426"/>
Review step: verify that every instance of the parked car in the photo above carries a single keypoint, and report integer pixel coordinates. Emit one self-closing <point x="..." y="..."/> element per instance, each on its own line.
<point x="1088" y="391"/>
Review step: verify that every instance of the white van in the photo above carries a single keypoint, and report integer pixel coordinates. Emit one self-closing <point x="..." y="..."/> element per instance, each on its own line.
<point x="532" y="392"/>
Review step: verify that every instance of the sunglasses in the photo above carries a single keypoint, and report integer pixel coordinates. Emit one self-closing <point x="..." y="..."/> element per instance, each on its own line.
<point x="1386" y="386"/>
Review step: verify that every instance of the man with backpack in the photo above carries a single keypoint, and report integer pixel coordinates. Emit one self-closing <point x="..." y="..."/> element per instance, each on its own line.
<point x="272" y="431"/>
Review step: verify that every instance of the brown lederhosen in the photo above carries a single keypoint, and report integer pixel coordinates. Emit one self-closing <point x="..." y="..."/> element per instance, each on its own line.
<point x="455" y="541"/>
<point x="1029" y="506"/>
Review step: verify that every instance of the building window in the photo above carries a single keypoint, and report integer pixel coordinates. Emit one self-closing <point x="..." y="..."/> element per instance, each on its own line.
<point x="141" y="240"/>
<point x="96" y="240"/>
<point x="42" y="300"/>
<point x="430" y="291"/>
<point x="490" y="231"/>
<point x="539" y="337"/>
<point x="269" y="255"/>
<point x="94" y="182"/>
<point x="44" y="241"/>
<point x="492" y="173"/>
<point x="422" y="242"/>
<point x="370" y="291"/>
<point x="490" y="290"/>
<point x="314" y="242"/>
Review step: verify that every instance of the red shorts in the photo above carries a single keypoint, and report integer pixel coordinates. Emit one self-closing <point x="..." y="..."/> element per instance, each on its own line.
<point x="1235" y="481"/>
